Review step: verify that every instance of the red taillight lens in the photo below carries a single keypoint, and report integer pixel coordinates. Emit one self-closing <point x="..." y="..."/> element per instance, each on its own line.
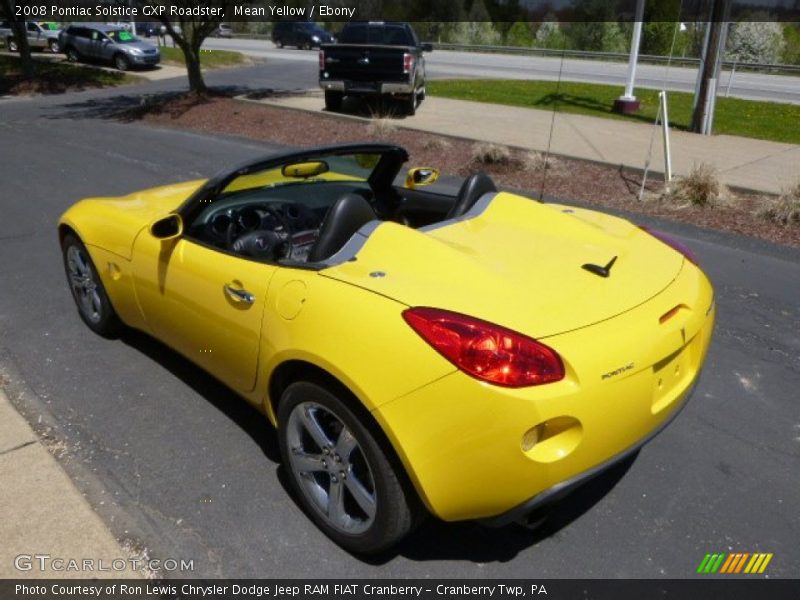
<point x="485" y="351"/>
<point x="408" y="62"/>
<point x="672" y="243"/>
<point x="322" y="60"/>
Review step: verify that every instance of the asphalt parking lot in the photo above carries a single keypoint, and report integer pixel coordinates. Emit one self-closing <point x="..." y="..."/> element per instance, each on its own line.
<point x="174" y="461"/>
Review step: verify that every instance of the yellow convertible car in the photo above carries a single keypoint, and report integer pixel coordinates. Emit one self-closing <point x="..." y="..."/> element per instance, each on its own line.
<point x="474" y="356"/>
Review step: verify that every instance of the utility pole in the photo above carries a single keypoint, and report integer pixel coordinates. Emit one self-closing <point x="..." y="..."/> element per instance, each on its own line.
<point x="705" y="101"/>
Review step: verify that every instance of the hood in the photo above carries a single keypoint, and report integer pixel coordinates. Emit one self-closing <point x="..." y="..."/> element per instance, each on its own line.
<point x="113" y="223"/>
<point x="140" y="45"/>
<point x="517" y="264"/>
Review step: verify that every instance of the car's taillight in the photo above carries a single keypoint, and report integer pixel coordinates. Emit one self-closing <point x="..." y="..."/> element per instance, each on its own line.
<point x="672" y="243"/>
<point x="322" y="60"/>
<point x="486" y="351"/>
<point x="408" y="62"/>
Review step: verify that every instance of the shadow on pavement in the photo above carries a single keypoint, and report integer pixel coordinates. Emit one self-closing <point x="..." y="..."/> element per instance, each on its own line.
<point x="220" y="396"/>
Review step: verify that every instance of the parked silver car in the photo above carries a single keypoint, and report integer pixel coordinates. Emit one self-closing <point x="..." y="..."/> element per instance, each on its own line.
<point x="107" y="43"/>
<point x="41" y="35"/>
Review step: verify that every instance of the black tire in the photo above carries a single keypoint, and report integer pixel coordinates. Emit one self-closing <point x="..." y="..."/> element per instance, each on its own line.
<point x="279" y="43"/>
<point x="307" y="46"/>
<point x="96" y="312"/>
<point x="367" y="471"/>
<point x="72" y="54"/>
<point x="53" y="46"/>
<point x="121" y="62"/>
<point x="12" y="45"/>
<point x="333" y="101"/>
<point x="410" y="104"/>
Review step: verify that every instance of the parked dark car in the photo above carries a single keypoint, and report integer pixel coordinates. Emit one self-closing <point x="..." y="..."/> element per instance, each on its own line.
<point x="374" y="59"/>
<point x="302" y="34"/>
<point x="150" y="29"/>
<point x="41" y="35"/>
<point x="107" y="43"/>
<point x="223" y="31"/>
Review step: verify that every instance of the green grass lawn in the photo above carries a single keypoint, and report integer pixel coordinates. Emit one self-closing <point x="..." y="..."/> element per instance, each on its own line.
<point x="209" y="59"/>
<point x="763" y="120"/>
<point x="56" y="77"/>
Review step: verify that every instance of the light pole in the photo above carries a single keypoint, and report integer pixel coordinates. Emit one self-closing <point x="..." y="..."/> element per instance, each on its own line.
<point x="627" y="103"/>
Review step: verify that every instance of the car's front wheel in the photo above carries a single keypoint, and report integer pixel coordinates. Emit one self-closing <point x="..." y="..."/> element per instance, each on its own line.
<point x="53" y="45"/>
<point x="344" y="479"/>
<point x="12" y="45"/>
<point x="121" y="62"/>
<point x="87" y="290"/>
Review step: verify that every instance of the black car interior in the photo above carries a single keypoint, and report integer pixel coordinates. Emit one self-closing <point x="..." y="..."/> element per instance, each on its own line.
<point x="309" y="220"/>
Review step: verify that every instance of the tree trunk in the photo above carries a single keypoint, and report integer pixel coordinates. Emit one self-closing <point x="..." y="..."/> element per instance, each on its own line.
<point x="21" y="36"/>
<point x="196" y="82"/>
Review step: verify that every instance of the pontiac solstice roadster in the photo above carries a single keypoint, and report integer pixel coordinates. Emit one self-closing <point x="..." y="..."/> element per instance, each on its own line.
<point x="474" y="356"/>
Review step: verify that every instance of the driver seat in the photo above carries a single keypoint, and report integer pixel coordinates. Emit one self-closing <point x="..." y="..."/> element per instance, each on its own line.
<point x="472" y="189"/>
<point x="349" y="214"/>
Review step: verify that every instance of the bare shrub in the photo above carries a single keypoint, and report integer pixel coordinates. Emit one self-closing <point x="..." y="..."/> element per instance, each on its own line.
<point x="487" y="153"/>
<point x="701" y="187"/>
<point x="784" y="210"/>
<point x="436" y="144"/>
<point x="380" y="128"/>
<point x="534" y="161"/>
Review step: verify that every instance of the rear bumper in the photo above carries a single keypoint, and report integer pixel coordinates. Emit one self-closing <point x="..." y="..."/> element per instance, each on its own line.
<point x="565" y="488"/>
<point x="353" y="88"/>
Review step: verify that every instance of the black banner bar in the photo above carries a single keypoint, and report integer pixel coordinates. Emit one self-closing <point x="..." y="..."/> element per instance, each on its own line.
<point x="712" y="588"/>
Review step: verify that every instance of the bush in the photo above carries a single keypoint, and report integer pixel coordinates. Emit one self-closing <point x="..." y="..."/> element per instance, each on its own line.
<point x="382" y="127"/>
<point x="490" y="154"/>
<point x="519" y="35"/>
<point x="701" y="187"/>
<point x="784" y="210"/>
<point x="436" y="144"/>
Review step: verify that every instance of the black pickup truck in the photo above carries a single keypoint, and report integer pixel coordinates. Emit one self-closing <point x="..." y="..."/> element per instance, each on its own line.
<point x="374" y="59"/>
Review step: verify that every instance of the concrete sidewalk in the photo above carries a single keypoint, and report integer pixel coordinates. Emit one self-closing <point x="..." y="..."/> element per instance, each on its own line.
<point x="742" y="162"/>
<point x="42" y="513"/>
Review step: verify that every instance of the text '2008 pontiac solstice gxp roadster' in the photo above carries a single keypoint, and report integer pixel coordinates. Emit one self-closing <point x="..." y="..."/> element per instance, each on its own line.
<point x="473" y="357"/>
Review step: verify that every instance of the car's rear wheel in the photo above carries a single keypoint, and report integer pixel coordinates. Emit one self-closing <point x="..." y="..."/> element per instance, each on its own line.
<point x="87" y="289"/>
<point x="121" y="62"/>
<point x="72" y="54"/>
<point x="53" y="46"/>
<point x="279" y="43"/>
<point x="12" y="45"/>
<point x="339" y="471"/>
<point x="333" y="100"/>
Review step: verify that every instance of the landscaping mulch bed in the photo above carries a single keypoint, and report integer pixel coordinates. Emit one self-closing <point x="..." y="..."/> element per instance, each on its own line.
<point x="55" y="78"/>
<point x="602" y="186"/>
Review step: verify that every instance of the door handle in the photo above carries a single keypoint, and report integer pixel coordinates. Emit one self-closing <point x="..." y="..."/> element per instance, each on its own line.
<point x="239" y="295"/>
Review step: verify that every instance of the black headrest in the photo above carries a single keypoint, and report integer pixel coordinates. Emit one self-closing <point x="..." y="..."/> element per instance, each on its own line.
<point x="349" y="214"/>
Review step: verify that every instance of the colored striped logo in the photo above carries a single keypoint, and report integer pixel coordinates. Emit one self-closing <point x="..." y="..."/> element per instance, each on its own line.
<point x="739" y="562"/>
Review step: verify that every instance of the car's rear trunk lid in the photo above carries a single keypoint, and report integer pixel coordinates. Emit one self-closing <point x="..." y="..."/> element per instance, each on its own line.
<point x="519" y="264"/>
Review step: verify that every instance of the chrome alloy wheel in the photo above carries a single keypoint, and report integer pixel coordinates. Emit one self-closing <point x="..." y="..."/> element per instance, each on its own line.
<point x="332" y="470"/>
<point x="84" y="287"/>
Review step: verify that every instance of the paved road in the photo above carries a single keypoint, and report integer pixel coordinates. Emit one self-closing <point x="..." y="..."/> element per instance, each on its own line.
<point x="173" y="460"/>
<point x="445" y="64"/>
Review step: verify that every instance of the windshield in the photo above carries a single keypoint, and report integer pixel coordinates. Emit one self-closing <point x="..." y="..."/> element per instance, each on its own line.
<point x="121" y="36"/>
<point x="345" y="167"/>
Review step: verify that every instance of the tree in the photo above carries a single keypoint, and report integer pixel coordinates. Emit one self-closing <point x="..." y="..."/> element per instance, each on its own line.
<point x="190" y="29"/>
<point x="20" y="35"/>
<point x="549" y="34"/>
<point x="477" y="28"/>
<point x="519" y="34"/>
<point x="755" y="42"/>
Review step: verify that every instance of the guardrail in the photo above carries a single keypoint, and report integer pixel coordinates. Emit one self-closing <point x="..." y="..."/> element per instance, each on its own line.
<point x="612" y="56"/>
<point x="682" y="61"/>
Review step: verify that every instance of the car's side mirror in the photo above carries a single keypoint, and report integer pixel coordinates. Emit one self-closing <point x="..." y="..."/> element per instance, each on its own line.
<point x="419" y="176"/>
<point x="167" y="228"/>
<point x="427" y="47"/>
